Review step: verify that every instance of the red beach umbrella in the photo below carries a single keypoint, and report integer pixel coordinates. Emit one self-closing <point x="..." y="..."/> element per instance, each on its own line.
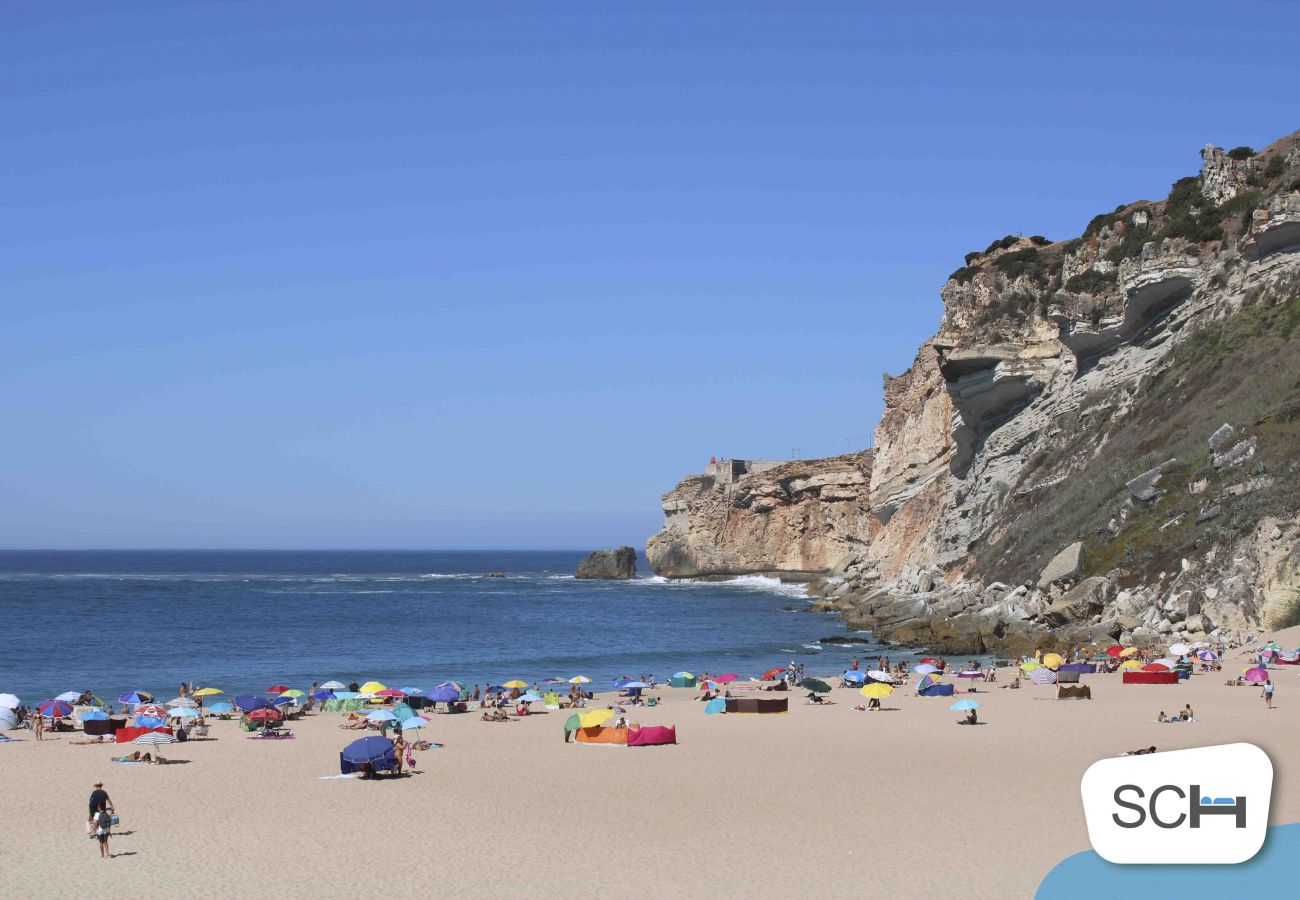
<point x="277" y="689"/>
<point x="390" y="692"/>
<point x="772" y="673"/>
<point x="152" y="710"/>
<point x="265" y="714"/>
<point x="1155" y="667"/>
<point x="1115" y="651"/>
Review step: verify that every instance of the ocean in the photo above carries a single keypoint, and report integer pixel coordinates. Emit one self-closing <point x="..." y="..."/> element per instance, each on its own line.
<point x="113" y="622"/>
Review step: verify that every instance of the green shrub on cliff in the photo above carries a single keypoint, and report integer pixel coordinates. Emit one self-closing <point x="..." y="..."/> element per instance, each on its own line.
<point x="1241" y="153"/>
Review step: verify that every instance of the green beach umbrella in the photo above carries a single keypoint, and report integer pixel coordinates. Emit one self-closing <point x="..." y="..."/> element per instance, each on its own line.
<point x="816" y="685"/>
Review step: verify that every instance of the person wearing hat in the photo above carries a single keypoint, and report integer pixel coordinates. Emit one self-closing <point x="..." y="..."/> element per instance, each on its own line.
<point x="97" y="797"/>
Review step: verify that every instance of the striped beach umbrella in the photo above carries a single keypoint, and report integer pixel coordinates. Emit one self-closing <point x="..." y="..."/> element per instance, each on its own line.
<point x="928" y="680"/>
<point x="134" y="697"/>
<point x="1042" y="675"/>
<point x="265" y="714"/>
<point x="154" y="737"/>
<point x="151" y="710"/>
<point x="55" y="709"/>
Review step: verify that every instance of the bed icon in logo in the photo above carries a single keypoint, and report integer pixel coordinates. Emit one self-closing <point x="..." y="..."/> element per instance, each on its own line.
<point x="1154" y="809"/>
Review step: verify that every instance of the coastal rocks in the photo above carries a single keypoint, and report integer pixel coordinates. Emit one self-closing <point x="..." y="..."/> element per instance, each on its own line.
<point x="1145" y="486"/>
<point x="1222" y="177"/>
<point x="803" y="518"/>
<point x="1065" y="566"/>
<point x="1235" y="456"/>
<point x="1081" y="602"/>
<point x="619" y="564"/>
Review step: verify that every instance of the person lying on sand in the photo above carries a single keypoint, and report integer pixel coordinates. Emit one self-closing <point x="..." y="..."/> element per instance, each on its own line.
<point x="1139" y="752"/>
<point x="816" y="699"/>
<point x="496" y="715"/>
<point x="98" y="740"/>
<point x="130" y="757"/>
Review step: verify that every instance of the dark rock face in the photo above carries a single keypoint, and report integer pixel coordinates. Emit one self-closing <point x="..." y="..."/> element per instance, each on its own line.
<point x="620" y="564"/>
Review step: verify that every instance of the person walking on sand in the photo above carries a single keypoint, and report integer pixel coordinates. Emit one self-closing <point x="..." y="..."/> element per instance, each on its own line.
<point x="1268" y="693"/>
<point x="103" y="823"/>
<point x="99" y="799"/>
<point x="38" y="726"/>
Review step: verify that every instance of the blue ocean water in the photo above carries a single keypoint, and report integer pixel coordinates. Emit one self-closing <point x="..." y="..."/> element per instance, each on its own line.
<point x="118" y="621"/>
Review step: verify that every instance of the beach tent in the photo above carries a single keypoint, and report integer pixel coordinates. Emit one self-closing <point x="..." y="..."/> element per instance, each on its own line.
<point x="937" y="690"/>
<point x="377" y="751"/>
<point x="551" y="700"/>
<point x="599" y="734"/>
<point x="716" y="705"/>
<point x="682" y="680"/>
<point x="1073" y="692"/>
<point x="652" y="735"/>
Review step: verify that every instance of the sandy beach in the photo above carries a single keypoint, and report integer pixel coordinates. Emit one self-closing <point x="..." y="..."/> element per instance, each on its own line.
<point x="822" y="801"/>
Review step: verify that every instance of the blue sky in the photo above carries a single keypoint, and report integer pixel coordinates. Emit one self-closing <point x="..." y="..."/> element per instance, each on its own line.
<point x="448" y="276"/>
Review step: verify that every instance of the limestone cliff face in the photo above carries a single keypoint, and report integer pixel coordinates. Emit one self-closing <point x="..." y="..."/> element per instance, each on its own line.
<point x="1134" y="391"/>
<point x="742" y="517"/>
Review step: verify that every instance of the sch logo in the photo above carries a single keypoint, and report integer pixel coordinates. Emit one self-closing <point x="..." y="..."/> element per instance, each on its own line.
<point x="1154" y="808"/>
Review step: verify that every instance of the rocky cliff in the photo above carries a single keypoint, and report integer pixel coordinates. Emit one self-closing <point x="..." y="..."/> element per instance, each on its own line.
<point x="793" y="519"/>
<point x="1135" y="390"/>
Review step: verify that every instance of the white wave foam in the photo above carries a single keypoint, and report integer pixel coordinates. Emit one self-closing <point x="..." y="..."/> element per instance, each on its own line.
<point x="452" y="575"/>
<point x="813" y="646"/>
<point x="767" y="583"/>
<point x="653" y="579"/>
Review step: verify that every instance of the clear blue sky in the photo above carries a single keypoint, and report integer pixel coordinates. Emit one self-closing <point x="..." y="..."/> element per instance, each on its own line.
<point x="439" y="275"/>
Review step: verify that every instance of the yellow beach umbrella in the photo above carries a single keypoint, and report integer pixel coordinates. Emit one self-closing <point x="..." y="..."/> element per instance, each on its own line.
<point x="579" y="679"/>
<point x="208" y="692"/>
<point x="1130" y="664"/>
<point x="372" y="687"/>
<point x="516" y="683"/>
<point x="1029" y="665"/>
<point x="595" y="717"/>
<point x="1128" y="651"/>
<point x="1053" y="660"/>
<point x="293" y="693"/>
<point x="877" y="690"/>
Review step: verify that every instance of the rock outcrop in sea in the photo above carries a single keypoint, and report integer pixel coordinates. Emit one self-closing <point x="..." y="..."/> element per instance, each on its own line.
<point x="619" y="563"/>
<point x="1099" y="443"/>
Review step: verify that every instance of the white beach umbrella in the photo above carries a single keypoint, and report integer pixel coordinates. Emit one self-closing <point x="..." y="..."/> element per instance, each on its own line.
<point x="182" y="702"/>
<point x="1178" y="649"/>
<point x="183" y="712"/>
<point x="333" y="686"/>
<point x="925" y="669"/>
<point x="155" y="737"/>
<point x="69" y="696"/>
<point x="9" y="701"/>
<point x="877" y="675"/>
<point x="1171" y="663"/>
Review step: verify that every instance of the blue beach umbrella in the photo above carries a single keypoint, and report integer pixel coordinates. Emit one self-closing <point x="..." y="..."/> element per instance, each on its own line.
<point x="325" y="695"/>
<point x="222" y="707"/>
<point x="55" y="709"/>
<point x="411" y="690"/>
<point x="134" y="697"/>
<point x="717" y="705"/>
<point x="381" y="715"/>
<point x="623" y="682"/>
<point x="283" y="701"/>
<point x="150" y="722"/>
<point x="347" y="695"/>
<point x="962" y="705"/>
<point x="529" y="697"/>
<point x="634" y="685"/>
<point x="250" y="702"/>
<point x="95" y="714"/>
<point x="853" y="676"/>
<point x="414" y="723"/>
<point x="444" y="694"/>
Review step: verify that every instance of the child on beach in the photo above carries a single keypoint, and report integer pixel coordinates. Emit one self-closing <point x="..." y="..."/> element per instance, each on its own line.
<point x="103" y="823"/>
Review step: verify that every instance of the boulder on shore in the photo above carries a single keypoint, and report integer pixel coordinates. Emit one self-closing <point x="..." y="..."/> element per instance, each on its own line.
<point x="620" y="563"/>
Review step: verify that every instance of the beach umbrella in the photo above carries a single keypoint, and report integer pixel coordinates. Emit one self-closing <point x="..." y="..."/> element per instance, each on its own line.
<point x="95" y="714"/>
<point x="1053" y="660"/>
<point x="347" y="695"/>
<point x="635" y="685"/>
<point x="877" y="675"/>
<point x="276" y="689"/>
<point x="1272" y="645"/>
<point x="552" y="680"/>
<point x="1042" y="675"/>
<point x="444" y="694"/>
<point x="208" y="692"/>
<point x="134" y="697"/>
<point x="9" y="701"/>
<point x="152" y="710"/>
<point x="283" y="701"/>
<point x="727" y="678"/>
<point x="1115" y="651"/>
<point x="412" y="690"/>
<point x="414" y="723"/>
<point x="1257" y="674"/>
<point x="595" y="717"/>
<point x="1167" y="663"/>
<point x="971" y="673"/>
<point x="1207" y="655"/>
<point x="932" y="661"/>
<point x="1179" y="649"/>
<point x="571" y="724"/>
<point x="333" y="686"/>
<point x="529" y="697"/>
<point x="154" y="737"/>
<point x="579" y="679"/>
<point x="293" y="693"/>
<point x="150" y="721"/>
<point x="390" y="692"/>
<point x="452" y="684"/>
<point x="1128" y="651"/>
<point x="374" y="749"/>
<point x="1154" y="667"/>
<point x="622" y="682"/>
<point x="1029" y="665"/>
<point x="962" y="705"/>
<point x="1130" y="664"/>
<point x="714" y="706"/>
<point x="221" y="708"/>
<point x="928" y="680"/>
<point x="708" y="685"/>
<point x="816" y="685"/>
<point x="183" y="701"/>
<point x="373" y="687"/>
<point x="325" y="695"/>
<point x="265" y="714"/>
<point x="690" y="675"/>
<point x="1270" y="654"/>
<point x="925" y="669"/>
<point x="69" y="696"/>
<point x="877" y="691"/>
<point x="184" y="713"/>
<point x="515" y="683"/>
<point x="769" y="674"/>
<point x="381" y="715"/>
<point x="250" y="702"/>
<point x="853" y="676"/>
